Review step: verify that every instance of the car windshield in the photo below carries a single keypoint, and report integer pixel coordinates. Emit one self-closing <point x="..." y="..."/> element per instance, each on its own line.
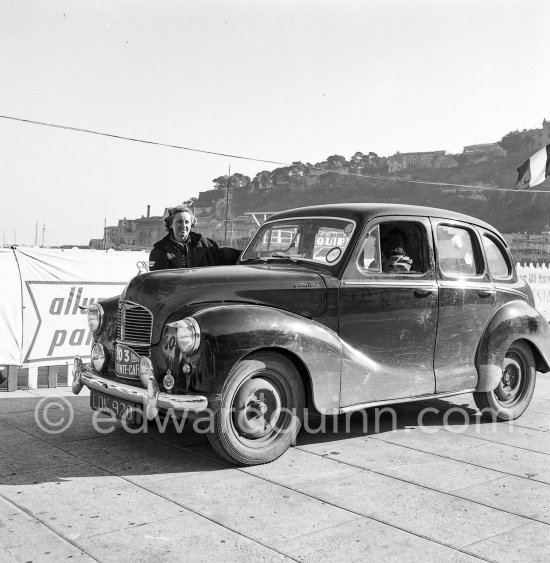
<point x="314" y="239"/>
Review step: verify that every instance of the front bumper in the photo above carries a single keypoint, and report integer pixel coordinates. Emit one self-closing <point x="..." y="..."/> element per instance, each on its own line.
<point x="151" y="398"/>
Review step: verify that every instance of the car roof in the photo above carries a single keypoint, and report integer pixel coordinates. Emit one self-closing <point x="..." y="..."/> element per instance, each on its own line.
<point x="360" y="212"/>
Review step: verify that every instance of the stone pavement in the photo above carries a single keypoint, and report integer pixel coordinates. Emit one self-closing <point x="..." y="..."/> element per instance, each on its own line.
<point x="365" y="488"/>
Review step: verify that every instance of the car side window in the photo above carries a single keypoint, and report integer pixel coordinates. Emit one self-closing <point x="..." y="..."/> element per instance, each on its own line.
<point x="496" y="258"/>
<point x="456" y="251"/>
<point x="394" y="247"/>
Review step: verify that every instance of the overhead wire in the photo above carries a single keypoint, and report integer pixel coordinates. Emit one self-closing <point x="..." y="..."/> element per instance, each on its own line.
<point x="267" y="161"/>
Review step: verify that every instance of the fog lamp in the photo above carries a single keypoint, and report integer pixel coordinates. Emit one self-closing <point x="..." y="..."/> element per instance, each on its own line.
<point x="98" y="357"/>
<point x="188" y="334"/>
<point x="145" y="370"/>
<point x="95" y="317"/>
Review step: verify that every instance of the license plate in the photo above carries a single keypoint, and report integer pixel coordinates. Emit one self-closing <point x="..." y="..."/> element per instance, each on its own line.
<point x="114" y="406"/>
<point x="126" y="362"/>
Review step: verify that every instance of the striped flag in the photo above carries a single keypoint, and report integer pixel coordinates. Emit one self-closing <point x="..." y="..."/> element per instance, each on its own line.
<point x="535" y="170"/>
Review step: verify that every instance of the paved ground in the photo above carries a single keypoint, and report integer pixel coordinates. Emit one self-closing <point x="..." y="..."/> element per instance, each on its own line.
<point x="442" y="492"/>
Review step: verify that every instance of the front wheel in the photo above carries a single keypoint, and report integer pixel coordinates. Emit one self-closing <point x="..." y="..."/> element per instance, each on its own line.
<point x="261" y="410"/>
<point x="515" y="389"/>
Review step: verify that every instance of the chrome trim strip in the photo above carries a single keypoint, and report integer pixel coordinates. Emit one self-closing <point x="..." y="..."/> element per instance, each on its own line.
<point x="412" y="283"/>
<point x="459" y="284"/>
<point x="507" y="289"/>
<point x="362" y="406"/>
<point x="132" y="343"/>
<point x="179" y="403"/>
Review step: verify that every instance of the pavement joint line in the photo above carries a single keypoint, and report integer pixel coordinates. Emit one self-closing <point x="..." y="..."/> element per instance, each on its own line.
<point x="197" y="513"/>
<point x="497" y="535"/>
<point x="502" y="443"/>
<point x="56" y="533"/>
<point x="447" y="493"/>
<point x="469" y="462"/>
<point x="348" y="509"/>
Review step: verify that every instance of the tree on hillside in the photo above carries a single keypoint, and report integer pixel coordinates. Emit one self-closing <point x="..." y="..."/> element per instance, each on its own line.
<point x="336" y="161"/>
<point x="220" y="183"/>
<point x="358" y="160"/>
<point x="236" y="180"/>
<point x="190" y="202"/>
<point x="263" y="179"/>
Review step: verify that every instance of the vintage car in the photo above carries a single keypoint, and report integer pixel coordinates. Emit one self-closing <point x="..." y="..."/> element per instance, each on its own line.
<point x="335" y="307"/>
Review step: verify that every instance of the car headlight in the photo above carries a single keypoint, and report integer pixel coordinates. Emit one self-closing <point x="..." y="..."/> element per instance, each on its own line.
<point x="188" y="334"/>
<point x="95" y="317"/>
<point x="98" y="357"/>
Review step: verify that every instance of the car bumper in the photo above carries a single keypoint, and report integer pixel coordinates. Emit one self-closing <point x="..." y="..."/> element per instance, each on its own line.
<point x="151" y="398"/>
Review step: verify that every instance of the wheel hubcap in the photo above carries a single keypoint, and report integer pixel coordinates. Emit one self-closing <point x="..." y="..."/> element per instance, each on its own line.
<point x="509" y="388"/>
<point x="257" y="407"/>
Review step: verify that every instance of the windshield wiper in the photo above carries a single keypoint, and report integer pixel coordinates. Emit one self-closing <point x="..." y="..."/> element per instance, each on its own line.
<point x="281" y="256"/>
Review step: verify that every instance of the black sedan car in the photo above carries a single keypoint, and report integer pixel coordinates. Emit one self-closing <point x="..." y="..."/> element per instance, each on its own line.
<point x="338" y="307"/>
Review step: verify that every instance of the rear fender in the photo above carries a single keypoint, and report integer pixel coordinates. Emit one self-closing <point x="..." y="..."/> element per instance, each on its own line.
<point x="515" y="320"/>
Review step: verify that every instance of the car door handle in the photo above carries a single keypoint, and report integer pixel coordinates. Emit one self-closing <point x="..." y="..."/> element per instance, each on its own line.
<point x="423" y="292"/>
<point x="486" y="292"/>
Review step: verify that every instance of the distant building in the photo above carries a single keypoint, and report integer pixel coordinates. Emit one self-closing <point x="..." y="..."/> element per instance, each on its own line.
<point x="485" y="148"/>
<point x="406" y="160"/>
<point x="134" y="234"/>
<point x="539" y="137"/>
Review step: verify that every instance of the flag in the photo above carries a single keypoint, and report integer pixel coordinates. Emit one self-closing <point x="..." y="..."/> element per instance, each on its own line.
<point x="535" y="170"/>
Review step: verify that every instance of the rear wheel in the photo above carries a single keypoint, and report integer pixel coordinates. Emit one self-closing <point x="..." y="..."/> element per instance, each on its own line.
<point x="261" y="410"/>
<point x="516" y="386"/>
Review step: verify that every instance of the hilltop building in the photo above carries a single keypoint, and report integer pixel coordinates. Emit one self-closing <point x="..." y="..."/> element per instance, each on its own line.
<point x="485" y="148"/>
<point x="434" y="159"/>
<point x="539" y="137"/>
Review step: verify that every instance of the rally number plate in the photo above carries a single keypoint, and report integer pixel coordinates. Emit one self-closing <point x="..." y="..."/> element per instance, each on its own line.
<point x="126" y="362"/>
<point x="114" y="406"/>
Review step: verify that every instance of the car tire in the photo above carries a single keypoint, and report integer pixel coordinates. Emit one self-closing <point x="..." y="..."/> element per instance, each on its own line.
<point x="515" y="389"/>
<point x="261" y="410"/>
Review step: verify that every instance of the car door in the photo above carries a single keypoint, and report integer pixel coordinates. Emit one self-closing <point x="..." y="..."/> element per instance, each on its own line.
<point x="466" y="303"/>
<point x="388" y="319"/>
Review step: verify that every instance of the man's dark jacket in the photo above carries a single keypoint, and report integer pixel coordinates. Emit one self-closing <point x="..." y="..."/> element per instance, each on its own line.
<point x="199" y="251"/>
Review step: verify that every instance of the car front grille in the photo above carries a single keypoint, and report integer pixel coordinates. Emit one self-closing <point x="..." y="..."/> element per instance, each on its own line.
<point x="134" y="327"/>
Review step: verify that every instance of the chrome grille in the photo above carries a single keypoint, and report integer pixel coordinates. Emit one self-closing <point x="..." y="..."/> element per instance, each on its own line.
<point x="134" y="327"/>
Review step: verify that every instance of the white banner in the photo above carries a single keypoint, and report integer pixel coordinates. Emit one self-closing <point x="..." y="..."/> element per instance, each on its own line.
<point x="54" y="284"/>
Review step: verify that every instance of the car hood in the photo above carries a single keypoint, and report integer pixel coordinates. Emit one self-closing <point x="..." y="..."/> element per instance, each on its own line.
<point x="291" y="288"/>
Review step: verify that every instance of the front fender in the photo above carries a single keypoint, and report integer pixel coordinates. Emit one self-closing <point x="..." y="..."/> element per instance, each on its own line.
<point x="229" y="332"/>
<point x="515" y="320"/>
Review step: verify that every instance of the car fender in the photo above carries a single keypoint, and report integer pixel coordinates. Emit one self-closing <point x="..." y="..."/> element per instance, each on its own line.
<point x="230" y="332"/>
<point x="515" y="320"/>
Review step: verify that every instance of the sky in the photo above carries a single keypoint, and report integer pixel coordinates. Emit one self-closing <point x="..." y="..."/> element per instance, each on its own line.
<point x="280" y="80"/>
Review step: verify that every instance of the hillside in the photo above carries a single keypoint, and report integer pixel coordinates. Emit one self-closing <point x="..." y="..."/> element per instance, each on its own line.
<point x="514" y="211"/>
